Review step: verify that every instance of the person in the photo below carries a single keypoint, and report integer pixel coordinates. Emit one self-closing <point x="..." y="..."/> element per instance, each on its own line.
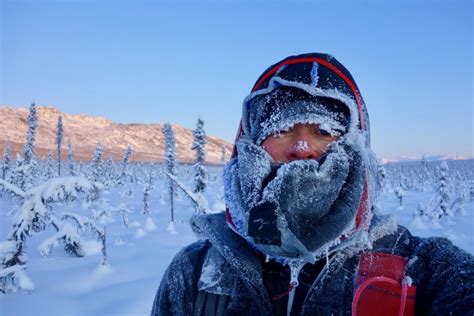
<point x="301" y="235"/>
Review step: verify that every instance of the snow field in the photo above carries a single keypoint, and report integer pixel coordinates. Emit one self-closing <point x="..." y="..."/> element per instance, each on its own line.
<point x="138" y="255"/>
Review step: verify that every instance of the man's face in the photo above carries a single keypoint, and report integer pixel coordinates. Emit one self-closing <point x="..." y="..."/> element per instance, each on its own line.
<point x="302" y="141"/>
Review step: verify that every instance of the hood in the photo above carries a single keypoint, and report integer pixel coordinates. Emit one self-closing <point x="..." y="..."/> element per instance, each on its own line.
<point x="321" y="76"/>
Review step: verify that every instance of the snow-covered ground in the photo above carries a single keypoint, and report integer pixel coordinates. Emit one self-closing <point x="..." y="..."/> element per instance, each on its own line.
<point x="138" y="255"/>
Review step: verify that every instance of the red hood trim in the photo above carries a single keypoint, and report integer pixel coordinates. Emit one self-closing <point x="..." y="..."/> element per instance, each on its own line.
<point x="326" y="64"/>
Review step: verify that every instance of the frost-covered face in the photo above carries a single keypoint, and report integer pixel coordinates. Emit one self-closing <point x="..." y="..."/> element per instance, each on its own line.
<point x="300" y="142"/>
<point x="301" y="171"/>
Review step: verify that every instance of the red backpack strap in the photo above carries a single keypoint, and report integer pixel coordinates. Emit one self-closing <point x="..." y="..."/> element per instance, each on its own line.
<point x="381" y="288"/>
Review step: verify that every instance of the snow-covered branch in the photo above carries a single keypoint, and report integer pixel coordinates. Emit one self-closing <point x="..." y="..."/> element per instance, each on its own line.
<point x="12" y="189"/>
<point x="36" y="215"/>
<point x="199" y="203"/>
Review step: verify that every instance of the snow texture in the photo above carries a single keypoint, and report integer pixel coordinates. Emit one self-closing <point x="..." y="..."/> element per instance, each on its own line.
<point x="139" y="265"/>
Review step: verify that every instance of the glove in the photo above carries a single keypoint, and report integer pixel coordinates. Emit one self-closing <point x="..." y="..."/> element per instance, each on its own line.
<point x="300" y="204"/>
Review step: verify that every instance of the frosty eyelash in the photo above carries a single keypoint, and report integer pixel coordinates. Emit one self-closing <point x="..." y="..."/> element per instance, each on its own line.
<point x="319" y="130"/>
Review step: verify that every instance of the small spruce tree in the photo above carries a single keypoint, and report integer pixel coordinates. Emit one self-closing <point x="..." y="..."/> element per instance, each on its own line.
<point x="381" y="176"/>
<point x="200" y="172"/>
<point x="170" y="163"/>
<point x="29" y="164"/>
<point x="97" y="169"/>
<point x="400" y="193"/>
<point x="146" y="195"/>
<point x="70" y="160"/>
<point x="6" y="160"/>
<point x="29" y="148"/>
<point x="59" y="141"/>
<point x="50" y="166"/>
<point x="109" y="172"/>
<point x="126" y="160"/>
<point x="18" y="176"/>
<point x="443" y="190"/>
<point x="424" y="172"/>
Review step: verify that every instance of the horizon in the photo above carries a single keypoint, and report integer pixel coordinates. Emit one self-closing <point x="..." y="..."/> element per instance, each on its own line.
<point x="146" y="62"/>
<point x="399" y="159"/>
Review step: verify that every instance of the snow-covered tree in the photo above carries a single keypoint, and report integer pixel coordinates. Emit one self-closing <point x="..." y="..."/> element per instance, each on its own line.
<point x="471" y="191"/>
<point x="97" y="169"/>
<point x="50" y="166"/>
<point x="124" y="208"/>
<point x="6" y="160"/>
<point x="109" y="172"/>
<point x="400" y="193"/>
<point x="149" y="224"/>
<point x="29" y="148"/>
<point x="381" y="176"/>
<point x="59" y="141"/>
<point x="70" y="160"/>
<point x="425" y="173"/>
<point x="82" y="224"/>
<point x="29" y="161"/>
<point x="12" y="189"/>
<point x="126" y="161"/>
<point x="170" y="163"/>
<point x="200" y="172"/>
<point x="34" y="216"/>
<point x="443" y="191"/>
<point x="223" y="154"/>
<point x="458" y="203"/>
<point x="22" y="173"/>
<point x="146" y="195"/>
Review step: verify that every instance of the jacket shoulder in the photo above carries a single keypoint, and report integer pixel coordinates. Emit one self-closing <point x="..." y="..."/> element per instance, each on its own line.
<point x="178" y="288"/>
<point x="442" y="273"/>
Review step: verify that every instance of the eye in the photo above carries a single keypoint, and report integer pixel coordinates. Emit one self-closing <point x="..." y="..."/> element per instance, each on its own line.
<point x="328" y="133"/>
<point x="283" y="132"/>
<point x="323" y="132"/>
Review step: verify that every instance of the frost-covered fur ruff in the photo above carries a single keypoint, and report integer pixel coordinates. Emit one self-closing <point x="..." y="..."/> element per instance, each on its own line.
<point x="315" y="202"/>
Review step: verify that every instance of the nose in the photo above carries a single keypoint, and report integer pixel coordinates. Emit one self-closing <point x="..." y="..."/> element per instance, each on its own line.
<point x="301" y="150"/>
<point x="305" y="145"/>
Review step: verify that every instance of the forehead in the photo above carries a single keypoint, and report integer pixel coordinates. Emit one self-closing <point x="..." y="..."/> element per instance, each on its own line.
<point x="284" y="107"/>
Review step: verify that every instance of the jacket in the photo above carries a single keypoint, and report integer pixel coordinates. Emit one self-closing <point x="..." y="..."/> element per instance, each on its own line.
<point x="223" y="267"/>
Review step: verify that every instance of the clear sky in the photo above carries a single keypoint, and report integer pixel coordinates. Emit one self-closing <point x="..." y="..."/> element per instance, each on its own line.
<point x="152" y="61"/>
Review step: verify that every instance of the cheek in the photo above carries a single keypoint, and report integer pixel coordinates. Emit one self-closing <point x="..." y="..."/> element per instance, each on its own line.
<point x="275" y="147"/>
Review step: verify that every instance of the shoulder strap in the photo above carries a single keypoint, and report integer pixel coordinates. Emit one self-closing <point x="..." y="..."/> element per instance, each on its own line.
<point x="208" y="304"/>
<point x="380" y="286"/>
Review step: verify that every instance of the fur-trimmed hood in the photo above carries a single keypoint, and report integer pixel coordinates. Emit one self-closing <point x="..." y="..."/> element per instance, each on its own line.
<point x="322" y="78"/>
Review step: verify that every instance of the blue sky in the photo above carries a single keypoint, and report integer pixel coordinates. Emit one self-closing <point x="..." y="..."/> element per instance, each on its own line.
<point x="152" y="61"/>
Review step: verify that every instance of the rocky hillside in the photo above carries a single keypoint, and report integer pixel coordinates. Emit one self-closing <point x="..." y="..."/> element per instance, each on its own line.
<point x="84" y="132"/>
